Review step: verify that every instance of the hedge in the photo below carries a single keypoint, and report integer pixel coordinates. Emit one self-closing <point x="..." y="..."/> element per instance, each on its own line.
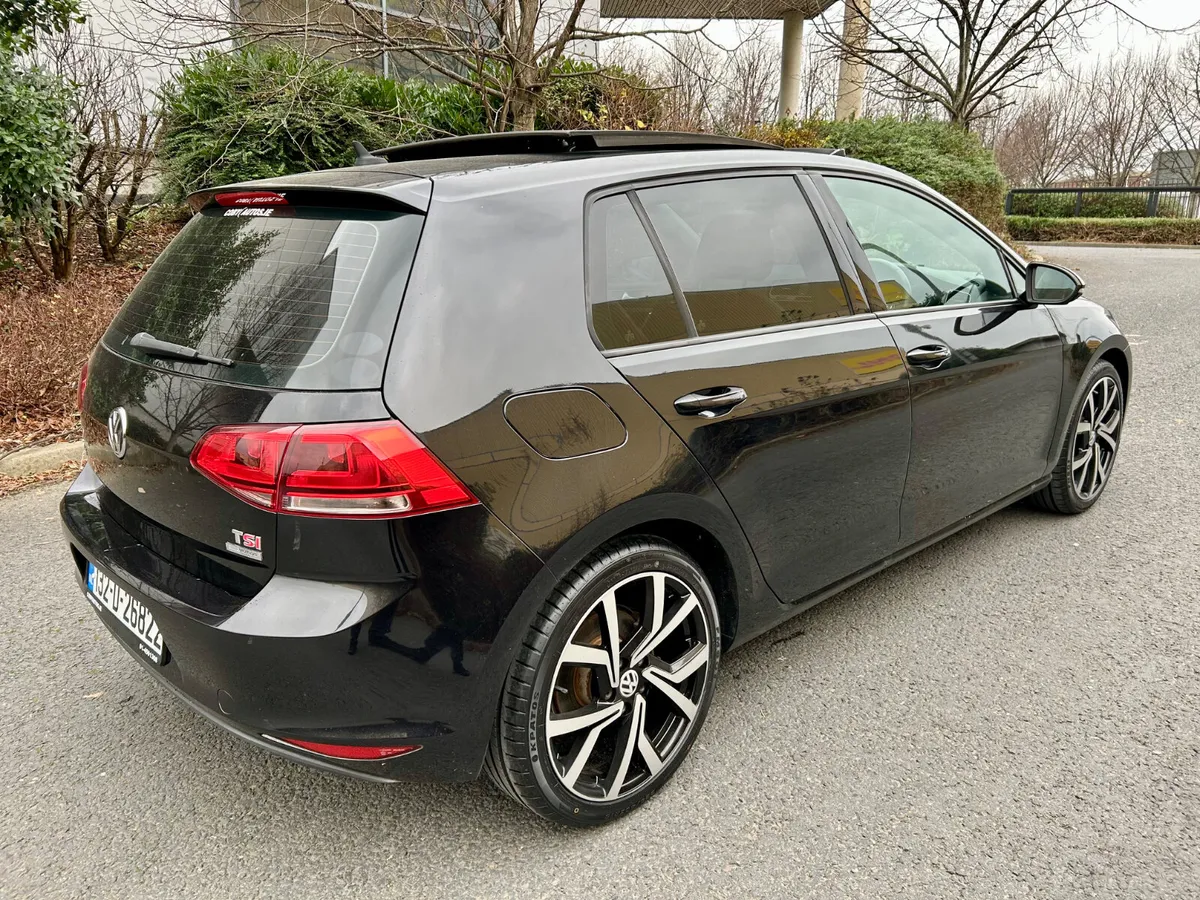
<point x="263" y="112"/>
<point x="1094" y="206"/>
<point x="950" y="160"/>
<point x="260" y="113"/>
<point x="1114" y="231"/>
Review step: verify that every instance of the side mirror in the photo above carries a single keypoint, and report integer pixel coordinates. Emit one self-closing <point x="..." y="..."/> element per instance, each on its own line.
<point x="1045" y="283"/>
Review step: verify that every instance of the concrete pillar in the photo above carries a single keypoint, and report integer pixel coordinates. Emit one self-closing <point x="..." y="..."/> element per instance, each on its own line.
<point x="793" y="58"/>
<point x="853" y="72"/>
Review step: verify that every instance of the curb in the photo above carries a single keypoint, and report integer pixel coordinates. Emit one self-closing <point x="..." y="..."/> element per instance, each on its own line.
<point x="1124" y="244"/>
<point x="36" y="460"/>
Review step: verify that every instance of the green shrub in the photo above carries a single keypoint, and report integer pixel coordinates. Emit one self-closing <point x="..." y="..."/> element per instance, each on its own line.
<point x="260" y="113"/>
<point x="1115" y="231"/>
<point x="36" y="146"/>
<point x="1061" y="204"/>
<point x="950" y="160"/>
<point x="585" y="96"/>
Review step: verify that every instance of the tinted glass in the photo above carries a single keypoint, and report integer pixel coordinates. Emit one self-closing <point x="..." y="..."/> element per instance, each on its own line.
<point x="1018" y="277"/>
<point x="632" y="302"/>
<point x="921" y="254"/>
<point x="747" y="252"/>
<point x="297" y="298"/>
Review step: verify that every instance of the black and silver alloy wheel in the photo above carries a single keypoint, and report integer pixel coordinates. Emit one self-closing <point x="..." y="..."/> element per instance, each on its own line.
<point x="1089" y="453"/>
<point x="611" y="686"/>
<point x="1096" y="434"/>
<point x="627" y="686"/>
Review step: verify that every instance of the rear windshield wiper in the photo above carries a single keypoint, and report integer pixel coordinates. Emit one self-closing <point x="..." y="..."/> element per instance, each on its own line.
<point x="152" y="346"/>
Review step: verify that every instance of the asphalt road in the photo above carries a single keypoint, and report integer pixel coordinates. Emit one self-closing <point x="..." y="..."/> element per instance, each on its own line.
<point x="1013" y="713"/>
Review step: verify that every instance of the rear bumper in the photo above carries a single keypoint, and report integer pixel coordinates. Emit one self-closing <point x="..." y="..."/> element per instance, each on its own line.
<point x="403" y="663"/>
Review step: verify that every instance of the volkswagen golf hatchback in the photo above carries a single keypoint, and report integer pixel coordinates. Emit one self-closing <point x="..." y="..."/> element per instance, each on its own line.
<point x="478" y="455"/>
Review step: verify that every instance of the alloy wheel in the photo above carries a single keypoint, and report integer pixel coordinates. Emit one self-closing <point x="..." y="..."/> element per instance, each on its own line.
<point x="627" y="686"/>
<point x="1097" y="434"/>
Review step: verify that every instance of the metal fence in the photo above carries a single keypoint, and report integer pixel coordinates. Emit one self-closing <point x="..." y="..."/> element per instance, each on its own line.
<point x="1105" y="202"/>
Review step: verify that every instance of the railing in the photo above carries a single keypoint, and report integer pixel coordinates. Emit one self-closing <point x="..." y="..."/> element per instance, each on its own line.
<point x="1105" y="202"/>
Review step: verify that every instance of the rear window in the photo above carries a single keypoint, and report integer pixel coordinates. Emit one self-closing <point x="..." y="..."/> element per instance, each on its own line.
<point x="297" y="298"/>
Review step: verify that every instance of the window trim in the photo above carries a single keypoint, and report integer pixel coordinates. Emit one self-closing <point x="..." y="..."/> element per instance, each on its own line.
<point x="630" y="189"/>
<point x="1003" y="252"/>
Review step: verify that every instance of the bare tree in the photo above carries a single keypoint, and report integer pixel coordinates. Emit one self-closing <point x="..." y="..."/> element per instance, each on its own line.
<point x="506" y="50"/>
<point x="818" y="82"/>
<point x="1041" y="142"/>
<point x="1177" y="95"/>
<point x="111" y="112"/>
<point x="751" y="84"/>
<point x="1122" y="124"/>
<point x="963" y="57"/>
<point x="689" y="72"/>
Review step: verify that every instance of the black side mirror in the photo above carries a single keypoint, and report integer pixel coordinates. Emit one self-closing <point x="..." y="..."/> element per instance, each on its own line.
<point x="1045" y="283"/>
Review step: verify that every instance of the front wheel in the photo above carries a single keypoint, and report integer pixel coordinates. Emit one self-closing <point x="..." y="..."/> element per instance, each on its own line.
<point x="1090" y="449"/>
<point x="611" y="685"/>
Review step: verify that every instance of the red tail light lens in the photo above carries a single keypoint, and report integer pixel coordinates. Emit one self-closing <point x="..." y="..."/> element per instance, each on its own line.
<point x="347" y="751"/>
<point x="358" y="470"/>
<point x="251" y="198"/>
<point x="82" y="385"/>
<point x="245" y="460"/>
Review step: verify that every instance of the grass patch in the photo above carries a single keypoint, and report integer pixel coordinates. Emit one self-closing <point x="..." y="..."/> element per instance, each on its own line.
<point x="1107" y="231"/>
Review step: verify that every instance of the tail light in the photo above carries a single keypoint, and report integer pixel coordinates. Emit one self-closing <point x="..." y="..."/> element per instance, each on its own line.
<point x="82" y="385"/>
<point x="356" y="470"/>
<point x="250" y="198"/>
<point x="347" y="751"/>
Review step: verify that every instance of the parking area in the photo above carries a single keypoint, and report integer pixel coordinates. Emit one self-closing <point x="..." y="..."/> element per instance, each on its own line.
<point x="1012" y="713"/>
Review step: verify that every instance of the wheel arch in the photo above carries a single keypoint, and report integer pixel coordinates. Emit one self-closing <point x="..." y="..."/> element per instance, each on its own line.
<point x="1119" y="359"/>
<point x="706" y="530"/>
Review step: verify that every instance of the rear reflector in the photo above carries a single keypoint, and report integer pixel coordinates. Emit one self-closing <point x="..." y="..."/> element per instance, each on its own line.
<point x="346" y="751"/>
<point x="250" y="198"/>
<point x="355" y="470"/>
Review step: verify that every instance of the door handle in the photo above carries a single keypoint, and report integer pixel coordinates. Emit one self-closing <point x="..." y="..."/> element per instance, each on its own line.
<point x="930" y="356"/>
<point x="710" y="402"/>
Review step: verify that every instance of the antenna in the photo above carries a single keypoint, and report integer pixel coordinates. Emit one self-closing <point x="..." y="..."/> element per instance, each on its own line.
<point x="364" y="157"/>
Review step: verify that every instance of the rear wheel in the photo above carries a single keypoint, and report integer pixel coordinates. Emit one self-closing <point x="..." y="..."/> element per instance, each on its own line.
<point x="1090" y="449"/>
<point x="611" y="685"/>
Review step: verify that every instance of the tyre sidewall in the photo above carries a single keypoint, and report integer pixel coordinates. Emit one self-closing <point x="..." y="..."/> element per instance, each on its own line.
<point x="567" y="806"/>
<point x="1098" y="372"/>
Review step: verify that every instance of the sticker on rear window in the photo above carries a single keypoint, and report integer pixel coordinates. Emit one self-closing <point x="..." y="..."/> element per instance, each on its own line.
<point x="250" y="211"/>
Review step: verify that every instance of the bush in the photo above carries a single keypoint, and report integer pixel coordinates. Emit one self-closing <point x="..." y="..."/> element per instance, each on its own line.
<point x="36" y="144"/>
<point x="585" y="96"/>
<point x="1115" y="231"/>
<point x="260" y="113"/>
<point x="1094" y="206"/>
<point x="950" y="160"/>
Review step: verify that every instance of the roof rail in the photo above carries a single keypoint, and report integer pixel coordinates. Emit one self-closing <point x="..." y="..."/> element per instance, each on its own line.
<point x="565" y="142"/>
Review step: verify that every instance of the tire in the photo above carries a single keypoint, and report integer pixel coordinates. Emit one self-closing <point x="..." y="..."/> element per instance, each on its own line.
<point x="1089" y="451"/>
<point x="560" y="703"/>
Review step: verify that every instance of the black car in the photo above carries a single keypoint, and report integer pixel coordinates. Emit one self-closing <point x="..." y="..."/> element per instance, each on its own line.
<point x="478" y="455"/>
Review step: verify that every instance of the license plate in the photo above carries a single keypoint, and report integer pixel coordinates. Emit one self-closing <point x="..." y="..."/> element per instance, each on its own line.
<point x="106" y="595"/>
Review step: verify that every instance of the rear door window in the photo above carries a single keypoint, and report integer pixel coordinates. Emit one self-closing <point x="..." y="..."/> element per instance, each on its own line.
<point x="631" y="298"/>
<point x="748" y="253"/>
<point x="297" y="298"/>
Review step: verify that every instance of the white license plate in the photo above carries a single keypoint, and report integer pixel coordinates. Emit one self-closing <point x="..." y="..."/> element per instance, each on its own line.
<point x="106" y="594"/>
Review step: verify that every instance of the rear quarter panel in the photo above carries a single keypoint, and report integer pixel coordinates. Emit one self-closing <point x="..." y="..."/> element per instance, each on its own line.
<point x="495" y="308"/>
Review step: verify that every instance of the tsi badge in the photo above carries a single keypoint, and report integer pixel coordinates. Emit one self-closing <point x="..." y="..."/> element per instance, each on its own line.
<point x="244" y="544"/>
